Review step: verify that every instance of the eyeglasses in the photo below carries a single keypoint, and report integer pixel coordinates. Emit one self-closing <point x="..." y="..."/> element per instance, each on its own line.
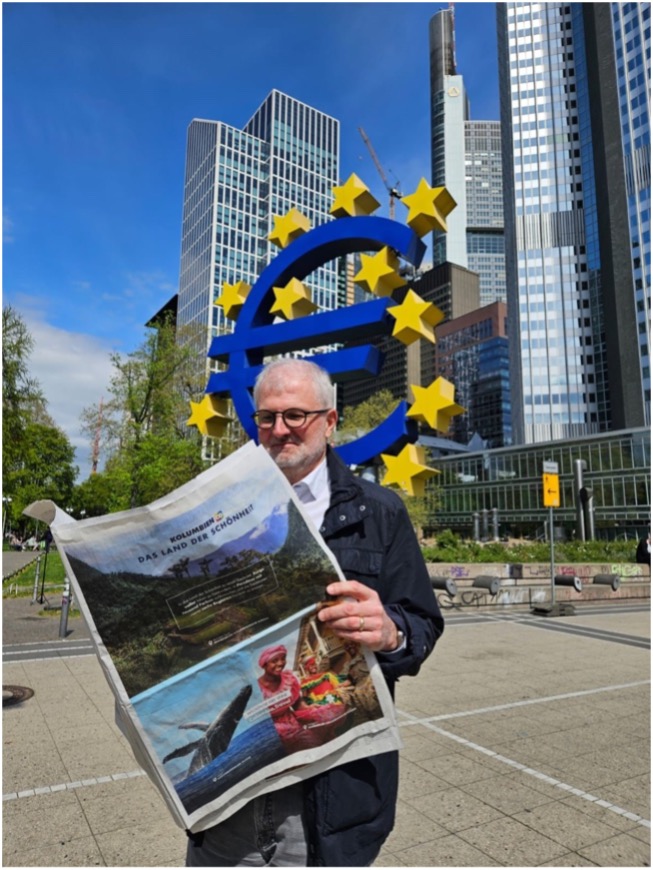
<point x="292" y="417"/>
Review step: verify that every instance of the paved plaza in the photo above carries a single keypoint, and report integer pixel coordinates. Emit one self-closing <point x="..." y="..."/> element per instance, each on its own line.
<point x="526" y="743"/>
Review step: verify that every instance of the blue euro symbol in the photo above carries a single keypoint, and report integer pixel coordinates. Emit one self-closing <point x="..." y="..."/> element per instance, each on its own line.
<point x="255" y="336"/>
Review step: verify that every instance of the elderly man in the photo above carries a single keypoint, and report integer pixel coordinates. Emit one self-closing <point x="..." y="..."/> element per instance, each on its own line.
<point x="342" y="816"/>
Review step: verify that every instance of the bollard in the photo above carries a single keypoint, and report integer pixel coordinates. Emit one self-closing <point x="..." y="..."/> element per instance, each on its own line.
<point x="65" y="606"/>
<point x="445" y="583"/>
<point x="484" y="581"/>
<point x="35" y="594"/>
<point x="613" y="580"/>
<point x="569" y="580"/>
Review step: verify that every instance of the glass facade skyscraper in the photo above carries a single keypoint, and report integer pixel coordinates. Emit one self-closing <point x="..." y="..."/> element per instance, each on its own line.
<point x="632" y="38"/>
<point x="466" y="159"/>
<point x="236" y="181"/>
<point x="575" y="366"/>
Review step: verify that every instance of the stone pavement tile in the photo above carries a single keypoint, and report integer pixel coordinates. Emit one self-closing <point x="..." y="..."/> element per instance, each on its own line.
<point x="455" y="809"/>
<point x="88" y="731"/>
<point x="633" y="795"/>
<point x="571" y="741"/>
<point x="603" y="815"/>
<point x="515" y="725"/>
<point x="47" y="822"/>
<point x="448" y="851"/>
<point x="97" y="758"/>
<point x="565" y="825"/>
<point x="412" y="827"/>
<point x="388" y="859"/>
<point x="571" y="859"/>
<point x="421" y="743"/>
<point x="76" y="852"/>
<point x="532" y="751"/>
<point x="641" y="833"/>
<point x="621" y="850"/>
<point x="509" y="794"/>
<point x="110" y="809"/>
<point x="144" y="846"/>
<point x="459" y="769"/>
<point x="30" y="766"/>
<point x="633" y="758"/>
<point x="583" y="774"/>
<point x="513" y="844"/>
<point x="416" y="782"/>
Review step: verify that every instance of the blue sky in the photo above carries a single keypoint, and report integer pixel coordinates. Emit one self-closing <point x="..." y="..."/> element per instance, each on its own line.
<point x="97" y="98"/>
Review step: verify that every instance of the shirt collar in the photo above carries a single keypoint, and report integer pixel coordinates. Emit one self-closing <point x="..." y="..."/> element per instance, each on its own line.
<point x="317" y="481"/>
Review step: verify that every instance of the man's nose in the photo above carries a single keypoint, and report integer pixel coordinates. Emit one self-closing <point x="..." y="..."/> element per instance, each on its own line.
<point x="279" y="427"/>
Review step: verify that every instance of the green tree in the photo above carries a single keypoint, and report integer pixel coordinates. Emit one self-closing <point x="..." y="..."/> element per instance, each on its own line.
<point x="37" y="457"/>
<point x="143" y="426"/>
<point x="360" y="419"/>
<point x="44" y="469"/>
<point x="21" y="393"/>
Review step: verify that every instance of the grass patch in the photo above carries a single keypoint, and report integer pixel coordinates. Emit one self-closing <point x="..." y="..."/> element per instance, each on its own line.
<point x="22" y="584"/>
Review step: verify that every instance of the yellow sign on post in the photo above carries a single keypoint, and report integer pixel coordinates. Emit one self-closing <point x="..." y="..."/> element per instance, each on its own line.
<point x="551" y="484"/>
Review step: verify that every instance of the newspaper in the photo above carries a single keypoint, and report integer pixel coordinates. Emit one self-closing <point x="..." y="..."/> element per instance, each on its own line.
<point x="188" y="600"/>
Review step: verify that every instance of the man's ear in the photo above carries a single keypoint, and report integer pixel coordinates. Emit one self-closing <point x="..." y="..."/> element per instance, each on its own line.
<point x="331" y="422"/>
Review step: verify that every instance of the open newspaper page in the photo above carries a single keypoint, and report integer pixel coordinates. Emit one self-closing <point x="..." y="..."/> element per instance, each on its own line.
<point x="188" y="601"/>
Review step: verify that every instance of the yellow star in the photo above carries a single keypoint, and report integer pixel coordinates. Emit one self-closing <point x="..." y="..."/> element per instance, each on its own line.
<point x="428" y="208"/>
<point x="379" y="274"/>
<point x="288" y="228"/>
<point x="435" y="404"/>
<point x="353" y="198"/>
<point x="416" y="318"/>
<point x="209" y="415"/>
<point x="293" y="300"/>
<point x="407" y="470"/>
<point x="233" y="298"/>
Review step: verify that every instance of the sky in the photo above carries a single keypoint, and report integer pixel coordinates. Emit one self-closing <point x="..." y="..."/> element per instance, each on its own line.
<point x="97" y="98"/>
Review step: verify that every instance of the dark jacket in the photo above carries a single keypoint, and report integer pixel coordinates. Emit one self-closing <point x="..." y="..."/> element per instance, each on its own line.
<point x="350" y="810"/>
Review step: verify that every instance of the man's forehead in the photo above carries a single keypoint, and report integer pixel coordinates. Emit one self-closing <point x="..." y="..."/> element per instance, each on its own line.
<point x="288" y="384"/>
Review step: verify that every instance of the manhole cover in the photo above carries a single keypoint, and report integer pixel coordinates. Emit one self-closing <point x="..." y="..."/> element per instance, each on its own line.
<point x="15" y="694"/>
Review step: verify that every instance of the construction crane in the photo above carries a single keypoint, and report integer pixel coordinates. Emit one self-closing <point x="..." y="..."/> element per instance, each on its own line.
<point x="393" y="191"/>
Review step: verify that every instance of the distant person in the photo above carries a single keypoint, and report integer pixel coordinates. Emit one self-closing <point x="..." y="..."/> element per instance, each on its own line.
<point x="342" y="816"/>
<point x="643" y="554"/>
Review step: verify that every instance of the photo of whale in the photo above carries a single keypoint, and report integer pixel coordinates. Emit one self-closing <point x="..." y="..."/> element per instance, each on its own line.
<point x="217" y="734"/>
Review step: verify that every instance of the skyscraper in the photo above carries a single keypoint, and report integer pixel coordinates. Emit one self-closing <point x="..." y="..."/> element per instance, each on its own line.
<point x="236" y="181"/>
<point x="576" y="366"/>
<point x="466" y="159"/>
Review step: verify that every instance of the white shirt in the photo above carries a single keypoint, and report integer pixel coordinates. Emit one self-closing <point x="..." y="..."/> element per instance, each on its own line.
<point x="314" y="492"/>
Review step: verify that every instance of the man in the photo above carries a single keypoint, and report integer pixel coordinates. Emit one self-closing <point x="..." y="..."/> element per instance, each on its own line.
<point x="342" y="816"/>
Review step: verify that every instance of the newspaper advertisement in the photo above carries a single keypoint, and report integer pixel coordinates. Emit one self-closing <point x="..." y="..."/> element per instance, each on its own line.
<point x="203" y="610"/>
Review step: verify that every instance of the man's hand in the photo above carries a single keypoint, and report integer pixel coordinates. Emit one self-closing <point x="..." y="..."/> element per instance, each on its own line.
<point x="358" y="615"/>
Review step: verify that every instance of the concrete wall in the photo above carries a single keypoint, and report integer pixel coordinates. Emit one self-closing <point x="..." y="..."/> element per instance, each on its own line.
<point x="529" y="584"/>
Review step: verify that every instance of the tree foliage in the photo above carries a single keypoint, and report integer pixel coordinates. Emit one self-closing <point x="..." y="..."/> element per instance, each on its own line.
<point x="149" y="448"/>
<point x="360" y="419"/>
<point x="37" y="457"/>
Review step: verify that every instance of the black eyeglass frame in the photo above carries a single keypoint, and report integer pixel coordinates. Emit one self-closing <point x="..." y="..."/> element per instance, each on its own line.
<point x="282" y="414"/>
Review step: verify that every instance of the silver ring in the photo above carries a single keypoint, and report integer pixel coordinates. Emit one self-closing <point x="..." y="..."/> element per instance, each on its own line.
<point x="361" y="624"/>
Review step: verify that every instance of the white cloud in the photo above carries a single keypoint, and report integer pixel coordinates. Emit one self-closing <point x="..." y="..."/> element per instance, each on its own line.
<point x="74" y="371"/>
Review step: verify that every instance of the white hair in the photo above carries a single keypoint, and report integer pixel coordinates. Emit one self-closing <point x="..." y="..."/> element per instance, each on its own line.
<point x="319" y="377"/>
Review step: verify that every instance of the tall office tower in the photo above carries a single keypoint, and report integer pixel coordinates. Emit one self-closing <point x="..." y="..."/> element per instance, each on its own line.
<point x="632" y="37"/>
<point x="472" y="352"/>
<point x="575" y="359"/>
<point x="236" y="182"/>
<point x="455" y="291"/>
<point x="466" y="159"/>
